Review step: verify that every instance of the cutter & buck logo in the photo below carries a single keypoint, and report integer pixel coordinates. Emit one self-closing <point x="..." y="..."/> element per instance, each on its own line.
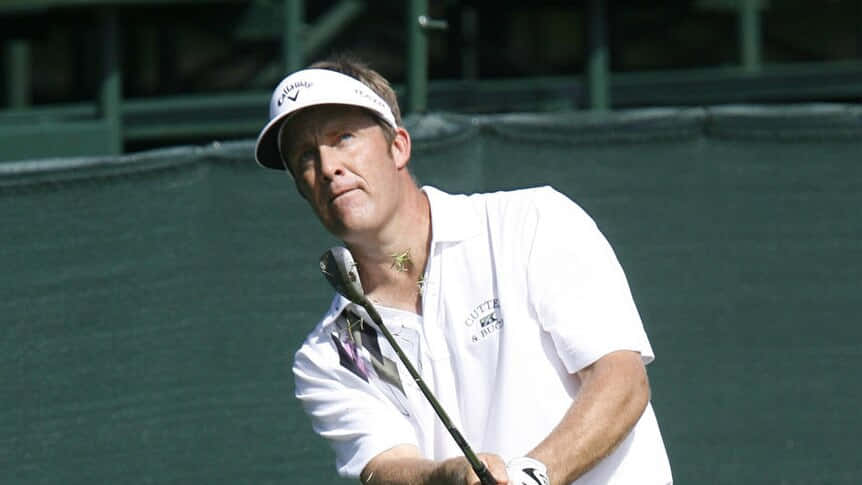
<point x="484" y="320"/>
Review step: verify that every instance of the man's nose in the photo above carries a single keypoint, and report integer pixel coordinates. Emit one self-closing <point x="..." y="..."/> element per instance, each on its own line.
<point x="331" y="162"/>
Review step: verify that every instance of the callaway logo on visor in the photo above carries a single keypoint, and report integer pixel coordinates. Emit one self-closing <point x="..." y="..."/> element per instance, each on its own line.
<point x="285" y="93"/>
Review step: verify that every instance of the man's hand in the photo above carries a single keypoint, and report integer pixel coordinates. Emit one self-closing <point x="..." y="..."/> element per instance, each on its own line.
<point x="404" y="465"/>
<point x="457" y="471"/>
<point x="527" y="471"/>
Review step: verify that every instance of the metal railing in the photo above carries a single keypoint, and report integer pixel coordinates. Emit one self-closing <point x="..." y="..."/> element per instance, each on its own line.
<point x="103" y="125"/>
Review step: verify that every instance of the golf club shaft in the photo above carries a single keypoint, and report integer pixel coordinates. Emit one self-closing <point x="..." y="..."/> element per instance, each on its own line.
<point x="479" y="467"/>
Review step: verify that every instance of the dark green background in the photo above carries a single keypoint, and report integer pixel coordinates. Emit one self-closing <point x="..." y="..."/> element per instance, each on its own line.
<point x="150" y="305"/>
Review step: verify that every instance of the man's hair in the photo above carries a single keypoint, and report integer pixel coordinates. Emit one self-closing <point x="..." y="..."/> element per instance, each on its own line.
<point x="351" y="66"/>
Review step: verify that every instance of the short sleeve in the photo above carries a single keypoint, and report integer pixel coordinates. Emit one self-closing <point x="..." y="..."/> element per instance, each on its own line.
<point x="577" y="287"/>
<point x="352" y="414"/>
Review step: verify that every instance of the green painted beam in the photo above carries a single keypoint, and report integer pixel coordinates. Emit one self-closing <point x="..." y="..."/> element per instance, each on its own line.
<point x="49" y="112"/>
<point x="242" y="114"/>
<point x="198" y="129"/>
<point x="598" y="59"/>
<point x="330" y="24"/>
<point x="195" y="116"/>
<point x="417" y="57"/>
<point x="55" y="139"/>
<point x="110" y="90"/>
<point x="196" y="102"/>
<point x="750" y="37"/>
<point x="470" y="48"/>
<point x="17" y="70"/>
<point x="286" y="21"/>
<point x="749" y="32"/>
<point x="292" y="40"/>
<point x="30" y="5"/>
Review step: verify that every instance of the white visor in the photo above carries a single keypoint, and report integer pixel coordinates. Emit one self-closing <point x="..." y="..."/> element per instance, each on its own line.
<point x="312" y="87"/>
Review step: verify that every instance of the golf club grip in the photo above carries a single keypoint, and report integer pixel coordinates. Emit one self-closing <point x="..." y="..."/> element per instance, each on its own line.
<point x="485" y="477"/>
<point x="478" y="466"/>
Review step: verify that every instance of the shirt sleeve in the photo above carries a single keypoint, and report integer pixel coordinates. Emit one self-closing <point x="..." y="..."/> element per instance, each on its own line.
<point x="577" y="286"/>
<point x="354" y="416"/>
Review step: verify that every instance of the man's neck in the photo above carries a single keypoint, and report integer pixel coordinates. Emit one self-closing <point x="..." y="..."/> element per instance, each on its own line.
<point x="392" y="262"/>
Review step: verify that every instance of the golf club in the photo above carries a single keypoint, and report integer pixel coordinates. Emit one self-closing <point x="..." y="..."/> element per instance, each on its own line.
<point x="340" y="270"/>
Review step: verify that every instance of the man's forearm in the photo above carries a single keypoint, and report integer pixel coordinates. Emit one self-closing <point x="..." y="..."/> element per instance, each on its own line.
<point x="403" y="465"/>
<point x="400" y="471"/>
<point x="613" y="395"/>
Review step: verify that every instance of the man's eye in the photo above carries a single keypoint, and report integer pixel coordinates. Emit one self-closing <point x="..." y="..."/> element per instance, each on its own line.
<point x="305" y="157"/>
<point x="345" y="136"/>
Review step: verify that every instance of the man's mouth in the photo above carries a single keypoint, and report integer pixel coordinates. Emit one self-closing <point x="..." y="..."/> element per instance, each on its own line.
<point x="340" y="193"/>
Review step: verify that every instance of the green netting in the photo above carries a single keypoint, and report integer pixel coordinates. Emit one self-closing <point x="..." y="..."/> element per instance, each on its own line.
<point x="150" y="305"/>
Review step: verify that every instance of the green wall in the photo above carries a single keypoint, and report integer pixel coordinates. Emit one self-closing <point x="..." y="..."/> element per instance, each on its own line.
<point x="150" y="305"/>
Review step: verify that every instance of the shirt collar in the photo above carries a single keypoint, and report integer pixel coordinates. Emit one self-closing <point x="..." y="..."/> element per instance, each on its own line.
<point x="339" y="303"/>
<point x="453" y="218"/>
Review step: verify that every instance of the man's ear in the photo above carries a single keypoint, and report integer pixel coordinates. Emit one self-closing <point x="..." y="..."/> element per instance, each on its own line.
<point x="400" y="148"/>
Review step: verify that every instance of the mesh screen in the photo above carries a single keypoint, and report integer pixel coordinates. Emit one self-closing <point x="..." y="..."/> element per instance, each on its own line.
<point x="150" y="305"/>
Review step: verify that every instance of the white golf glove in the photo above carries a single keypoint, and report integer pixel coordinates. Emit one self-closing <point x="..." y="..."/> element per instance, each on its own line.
<point x="527" y="471"/>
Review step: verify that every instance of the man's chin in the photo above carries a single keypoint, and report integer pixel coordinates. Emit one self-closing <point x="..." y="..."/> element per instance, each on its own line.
<point x="348" y="226"/>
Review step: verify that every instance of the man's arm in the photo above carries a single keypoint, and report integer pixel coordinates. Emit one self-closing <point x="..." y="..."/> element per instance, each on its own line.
<point x="614" y="393"/>
<point x="403" y="465"/>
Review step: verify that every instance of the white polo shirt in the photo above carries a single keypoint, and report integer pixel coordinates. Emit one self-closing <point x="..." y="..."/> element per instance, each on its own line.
<point x="520" y="291"/>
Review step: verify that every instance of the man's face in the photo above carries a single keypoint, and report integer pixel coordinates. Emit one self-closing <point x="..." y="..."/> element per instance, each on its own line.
<point x="344" y="167"/>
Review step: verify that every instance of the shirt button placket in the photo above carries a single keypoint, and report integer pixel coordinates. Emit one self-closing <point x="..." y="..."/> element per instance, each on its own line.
<point x="431" y="308"/>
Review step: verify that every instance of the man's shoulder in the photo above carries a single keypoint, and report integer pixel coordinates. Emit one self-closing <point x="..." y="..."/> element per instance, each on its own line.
<point x="458" y="217"/>
<point x="524" y="193"/>
<point x="525" y="201"/>
<point x="507" y="198"/>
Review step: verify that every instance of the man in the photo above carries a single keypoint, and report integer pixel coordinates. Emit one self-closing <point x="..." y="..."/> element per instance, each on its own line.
<point x="512" y="306"/>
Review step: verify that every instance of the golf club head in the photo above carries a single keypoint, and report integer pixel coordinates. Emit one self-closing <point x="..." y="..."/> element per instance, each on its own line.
<point x="340" y="270"/>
